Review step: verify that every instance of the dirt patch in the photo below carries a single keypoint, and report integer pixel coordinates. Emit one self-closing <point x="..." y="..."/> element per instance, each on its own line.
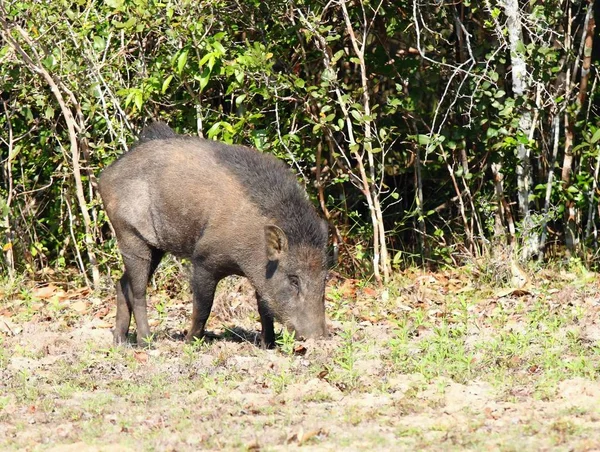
<point x="410" y="373"/>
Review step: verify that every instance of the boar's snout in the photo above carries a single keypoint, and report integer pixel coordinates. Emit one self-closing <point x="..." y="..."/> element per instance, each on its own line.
<point x="309" y="330"/>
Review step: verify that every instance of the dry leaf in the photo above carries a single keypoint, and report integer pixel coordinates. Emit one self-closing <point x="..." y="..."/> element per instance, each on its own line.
<point x="512" y="291"/>
<point x="300" y="350"/>
<point x="253" y="445"/>
<point x="102" y="324"/>
<point x="82" y="292"/>
<point x="80" y="306"/>
<point x="43" y="293"/>
<point x="102" y="312"/>
<point x="308" y="435"/>
<point x="141" y="357"/>
<point x="348" y="288"/>
<point x="369" y="292"/>
<point x="489" y="413"/>
<point x="302" y="437"/>
<point x="294" y="437"/>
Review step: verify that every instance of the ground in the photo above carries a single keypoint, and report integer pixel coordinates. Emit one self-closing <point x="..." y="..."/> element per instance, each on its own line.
<point x="440" y="361"/>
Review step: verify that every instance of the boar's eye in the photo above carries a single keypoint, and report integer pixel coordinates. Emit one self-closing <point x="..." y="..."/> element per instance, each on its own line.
<point x="295" y="282"/>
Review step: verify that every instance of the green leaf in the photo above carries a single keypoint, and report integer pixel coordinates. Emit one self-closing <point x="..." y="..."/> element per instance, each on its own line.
<point x="204" y="78"/>
<point x="166" y="83"/>
<point x="99" y="43"/>
<point x="182" y="60"/>
<point x="219" y="47"/>
<point x="114" y="3"/>
<point x="491" y="132"/>
<point x="49" y="113"/>
<point x="595" y="137"/>
<point x="337" y="56"/>
<point x="125" y="25"/>
<point x="299" y="83"/>
<point x="139" y="100"/>
<point x="240" y="99"/>
<point x="211" y="61"/>
<point x="423" y="139"/>
<point x="15" y="151"/>
<point x="213" y="130"/>
<point x="204" y="59"/>
<point x="239" y="76"/>
<point x="356" y="115"/>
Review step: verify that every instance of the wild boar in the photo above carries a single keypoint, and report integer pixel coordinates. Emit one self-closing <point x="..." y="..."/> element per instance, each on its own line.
<point x="231" y="210"/>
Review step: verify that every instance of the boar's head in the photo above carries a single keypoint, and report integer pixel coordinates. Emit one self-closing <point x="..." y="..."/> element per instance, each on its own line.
<point x="295" y="283"/>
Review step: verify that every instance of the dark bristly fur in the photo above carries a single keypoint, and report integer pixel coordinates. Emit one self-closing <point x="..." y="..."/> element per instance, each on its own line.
<point x="157" y="130"/>
<point x="274" y="189"/>
<point x="230" y="210"/>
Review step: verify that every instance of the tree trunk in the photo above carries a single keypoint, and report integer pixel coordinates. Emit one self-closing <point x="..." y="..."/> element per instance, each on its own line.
<point x="521" y="89"/>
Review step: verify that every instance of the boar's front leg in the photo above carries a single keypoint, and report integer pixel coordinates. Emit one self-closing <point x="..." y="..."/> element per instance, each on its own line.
<point x="267" y="338"/>
<point x="203" y="287"/>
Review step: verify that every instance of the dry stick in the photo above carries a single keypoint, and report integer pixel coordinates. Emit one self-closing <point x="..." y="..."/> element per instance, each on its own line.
<point x="460" y="202"/>
<point x="379" y="242"/>
<point x="504" y="212"/>
<point x="282" y="141"/>
<point x="321" y="192"/>
<point x="587" y="44"/>
<point x="84" y="145"/>
<point x="585" y="75"/>
<point x="556" y="135"/>
<point x="340" y="240"/>
<point x="419" y="199"/>
<point x="10" y="261"/>
<point x="72" y="232"/>
<point x="570" y="235"/>
<point x="69" y="119"/>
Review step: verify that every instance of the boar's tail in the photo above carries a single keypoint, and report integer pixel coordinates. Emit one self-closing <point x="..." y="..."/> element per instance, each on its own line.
<point x="157" y="130"/>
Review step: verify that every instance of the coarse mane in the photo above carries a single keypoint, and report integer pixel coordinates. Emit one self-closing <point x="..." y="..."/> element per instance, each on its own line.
<point x="274" y="189"/>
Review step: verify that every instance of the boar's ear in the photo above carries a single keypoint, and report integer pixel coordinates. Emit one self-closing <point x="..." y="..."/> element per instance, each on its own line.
<point x="277" y="243"/>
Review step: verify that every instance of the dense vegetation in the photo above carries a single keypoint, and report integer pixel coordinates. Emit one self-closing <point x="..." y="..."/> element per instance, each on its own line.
<point x="425" y="131"/>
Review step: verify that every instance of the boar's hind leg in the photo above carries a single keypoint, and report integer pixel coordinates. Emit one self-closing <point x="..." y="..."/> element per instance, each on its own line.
<point x="131" y="294"/>
<point x="124" y="309"/>
<point x="203" y="286"/>
<point x="266" y="321"/>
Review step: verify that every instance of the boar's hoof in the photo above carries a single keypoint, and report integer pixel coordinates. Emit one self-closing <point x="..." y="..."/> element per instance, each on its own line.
<point x="144" y="340"/>
<point x="119" y="339"/>
<point x="266" y="344"/>
<point x="192" y="337"/>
